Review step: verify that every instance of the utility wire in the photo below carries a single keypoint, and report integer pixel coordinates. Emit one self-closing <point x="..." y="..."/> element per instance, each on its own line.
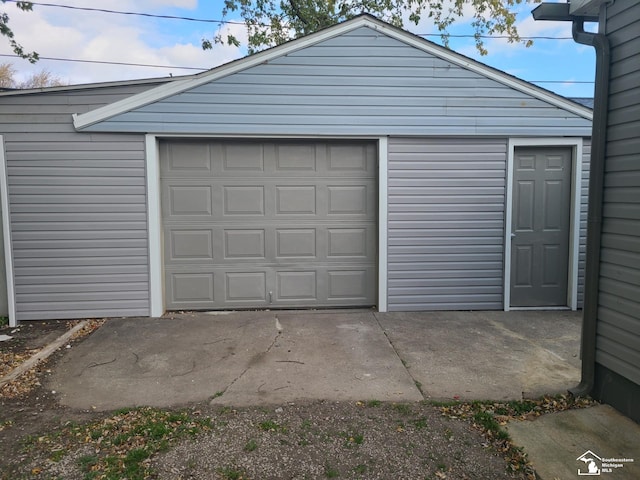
<point x="208" y="68"/>
<point x="221" y="22"/>
<point x="140" y="14"/>
<point x="230" y="22"/>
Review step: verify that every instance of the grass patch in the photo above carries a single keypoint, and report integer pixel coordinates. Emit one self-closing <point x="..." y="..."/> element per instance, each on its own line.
<point x="330" y="472"/>
<point x="360" y="469"/>
<point x="373" y="403"/>
<point x="443" y="404"/>
<point x="271" y="426"/>
<point x="124" y="441"/>
<point x="402" y="408"/>
<point x="351" y="439"/>
<point x="57" y="455"/>
<point x="230" y="473"/>
<point x="421" y="423"/>
<point x="251" y="445"/>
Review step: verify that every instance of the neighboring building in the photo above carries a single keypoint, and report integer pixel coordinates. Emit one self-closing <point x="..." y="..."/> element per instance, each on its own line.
<point x="586" y="101"/>
<point x="358" y="166"/>
<point x="611" y="330"/>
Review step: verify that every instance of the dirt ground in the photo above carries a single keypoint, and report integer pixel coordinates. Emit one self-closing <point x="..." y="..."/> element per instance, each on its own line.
<point x="368" y="439"/>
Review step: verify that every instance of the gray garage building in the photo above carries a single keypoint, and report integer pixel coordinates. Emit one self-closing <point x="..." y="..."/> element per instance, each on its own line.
<point x="358" y="166"/>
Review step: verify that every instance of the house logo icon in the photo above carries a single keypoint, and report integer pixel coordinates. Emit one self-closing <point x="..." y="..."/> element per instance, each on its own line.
<point x="592" y="461"/>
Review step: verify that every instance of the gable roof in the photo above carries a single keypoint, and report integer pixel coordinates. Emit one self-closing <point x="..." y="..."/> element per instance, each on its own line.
<point x="176" y="87"/>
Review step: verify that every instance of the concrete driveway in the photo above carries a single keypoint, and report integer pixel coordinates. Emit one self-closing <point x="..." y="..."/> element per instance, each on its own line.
<point x="270" y="357"/>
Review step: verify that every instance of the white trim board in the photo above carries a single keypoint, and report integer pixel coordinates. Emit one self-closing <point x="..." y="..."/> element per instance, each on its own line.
<point x="383" y="232"/>
<point x="574" y="220"/>
<point x="173" y="88"/>
<point x="154" y="227"/>
<point x="154" y="210"/>
<point x="6" y="231"/>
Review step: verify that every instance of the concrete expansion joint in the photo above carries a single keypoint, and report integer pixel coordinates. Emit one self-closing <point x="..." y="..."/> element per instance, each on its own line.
<point x="402" y="360"/>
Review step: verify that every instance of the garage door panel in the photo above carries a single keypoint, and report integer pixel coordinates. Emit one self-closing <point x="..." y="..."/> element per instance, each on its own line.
<point x="190" y="244"/>
<point x="296" y="243"/>
<point x="351" y="200"/>
<point x="277" y="224"/>
<point x="191" y="289"/>
<point x="347" y="242"/>
<point x="243" y="200"/>
<point x="186" y="160"/>
<point x="244" y="244"/>
<point x="192" y="200"/>
<point x="343" y="158"/>
<point x="295" y="199"/>
<point x="245" y="157"/>
<point x="297" y="286"/>
<point x="347" y="284"/>
<point x="246" y="287"/>
<point x="295" y="158"/>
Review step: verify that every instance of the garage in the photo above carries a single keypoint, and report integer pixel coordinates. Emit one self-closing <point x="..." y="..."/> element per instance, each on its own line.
<point x="255" y="224"/>
<point x="358" y="166"/>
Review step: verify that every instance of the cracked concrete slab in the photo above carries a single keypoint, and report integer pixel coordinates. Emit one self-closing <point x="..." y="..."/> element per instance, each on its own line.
<point x="160" y="361"/>
<point x="253" y="358"/>
<point x="324" y="356"/>
<point x="488" y="355"/>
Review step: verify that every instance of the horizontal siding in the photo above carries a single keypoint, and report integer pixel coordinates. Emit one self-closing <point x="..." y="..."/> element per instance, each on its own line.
<point x="446" y="224"/>
<point x="618" y="331"/>
<point x="584" y="209"/>
<point x="359" y="83"/>
<point x="78" y="209"/>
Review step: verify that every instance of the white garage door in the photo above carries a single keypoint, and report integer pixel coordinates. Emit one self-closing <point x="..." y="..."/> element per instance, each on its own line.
<point x="268" y="224"/>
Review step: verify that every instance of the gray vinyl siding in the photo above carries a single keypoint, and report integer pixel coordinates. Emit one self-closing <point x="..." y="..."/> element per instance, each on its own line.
<point x="584" y="208"/>
<point x="362" y="82"/>
<point x="618" y="331"/>
<point x="446" y="223"/>
<point x="78" y="209"/>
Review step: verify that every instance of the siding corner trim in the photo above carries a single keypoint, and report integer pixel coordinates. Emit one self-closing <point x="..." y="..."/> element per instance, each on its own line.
<point x="6" y="229"/>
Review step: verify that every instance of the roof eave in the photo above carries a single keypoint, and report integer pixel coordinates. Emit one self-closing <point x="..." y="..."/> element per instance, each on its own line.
<point x="86" y="86"/>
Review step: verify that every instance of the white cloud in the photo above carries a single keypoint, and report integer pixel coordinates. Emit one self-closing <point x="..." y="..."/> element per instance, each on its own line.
<point x="63" y="33"/>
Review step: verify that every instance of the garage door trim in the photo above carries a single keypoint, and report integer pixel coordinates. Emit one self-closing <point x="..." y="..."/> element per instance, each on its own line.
<point x="156" y="268"/>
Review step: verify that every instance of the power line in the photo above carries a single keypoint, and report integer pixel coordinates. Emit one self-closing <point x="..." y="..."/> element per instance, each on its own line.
<point x="57" y="59"/>
<point x="231" y="22"/>
<point x="492" y="36"/>
<point x="560" y="81"/>
<point x="204" y="68"/>
<point x="140" y="14"/>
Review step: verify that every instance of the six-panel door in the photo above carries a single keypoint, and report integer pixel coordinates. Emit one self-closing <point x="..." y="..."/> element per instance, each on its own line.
<point x="540" y="226"/>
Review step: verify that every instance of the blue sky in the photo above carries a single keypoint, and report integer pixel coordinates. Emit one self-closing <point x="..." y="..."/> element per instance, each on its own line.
<point x="71" y="34"/>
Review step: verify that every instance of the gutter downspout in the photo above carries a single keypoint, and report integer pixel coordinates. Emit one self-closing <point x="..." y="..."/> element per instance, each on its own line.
<point x="596" y="182"/>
